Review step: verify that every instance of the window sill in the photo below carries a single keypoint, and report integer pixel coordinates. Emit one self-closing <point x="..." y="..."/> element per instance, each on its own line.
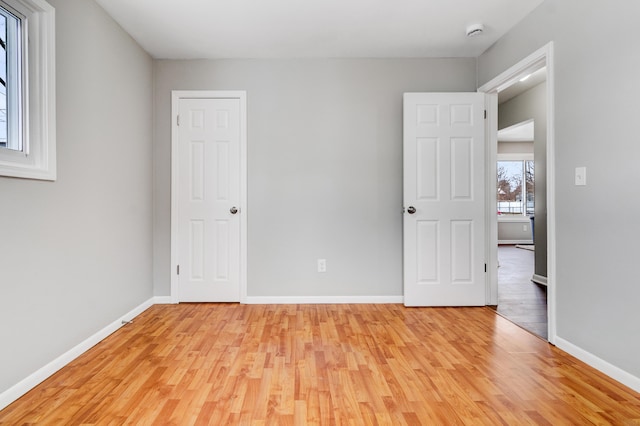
<point x="515" y="219"/>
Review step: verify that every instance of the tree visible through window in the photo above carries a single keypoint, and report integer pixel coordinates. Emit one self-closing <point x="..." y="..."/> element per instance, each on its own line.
<point x="515" y="187"/>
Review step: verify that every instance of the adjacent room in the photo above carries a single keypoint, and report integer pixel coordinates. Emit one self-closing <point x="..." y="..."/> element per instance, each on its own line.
<point x="521" y="202"/>
<point x="290" y="154"/>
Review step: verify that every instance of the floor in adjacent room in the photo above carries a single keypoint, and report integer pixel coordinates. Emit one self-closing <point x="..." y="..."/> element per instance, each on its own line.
<point x="520" y="300"/>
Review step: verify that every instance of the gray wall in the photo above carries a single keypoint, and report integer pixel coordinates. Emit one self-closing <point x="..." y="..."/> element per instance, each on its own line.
<point x="597" y="63"/>
<point x="515" y="147"/>
<point x="509" y="231"/>
<point x="325" y="166"/>
<point x="75" y="254"/>
<point x="532" y="104"/>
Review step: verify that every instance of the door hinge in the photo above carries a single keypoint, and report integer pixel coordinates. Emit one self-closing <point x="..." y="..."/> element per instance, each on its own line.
<point x="485" y="114"/>
<point x="485" y="267"/>
<point x="178" y="270"/>
<point x="178" y="119"/>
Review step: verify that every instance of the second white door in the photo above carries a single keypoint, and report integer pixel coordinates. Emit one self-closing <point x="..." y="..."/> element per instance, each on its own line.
<point x="444" y="199"/>
<point x="208" y="200"/>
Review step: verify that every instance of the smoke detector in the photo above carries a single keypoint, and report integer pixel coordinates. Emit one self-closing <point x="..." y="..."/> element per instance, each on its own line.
<point x="475" y="30"/>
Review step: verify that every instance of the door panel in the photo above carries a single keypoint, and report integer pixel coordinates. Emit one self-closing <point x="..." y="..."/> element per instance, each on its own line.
<point x="208" y="188"/>
<point x="444" y="182"/>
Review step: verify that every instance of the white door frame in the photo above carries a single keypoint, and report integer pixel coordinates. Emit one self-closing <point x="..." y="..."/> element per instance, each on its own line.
<point x="543" y="55"/>
<point x="176" y="96"/>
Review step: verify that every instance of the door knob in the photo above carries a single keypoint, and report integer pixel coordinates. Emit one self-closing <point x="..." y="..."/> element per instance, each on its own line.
<point x="233" y="210"/>
<point x="411" y="210"/>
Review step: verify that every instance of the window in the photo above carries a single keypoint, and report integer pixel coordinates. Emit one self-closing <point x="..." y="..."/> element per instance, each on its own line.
<point x="515" y="187"/>
<point x="27" y="89"/>
<point x="10" y="81"/>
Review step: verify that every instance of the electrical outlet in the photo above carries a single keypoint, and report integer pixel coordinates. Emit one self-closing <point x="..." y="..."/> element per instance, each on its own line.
<point x="322" y="265"/>
<point x="524" y="228"/>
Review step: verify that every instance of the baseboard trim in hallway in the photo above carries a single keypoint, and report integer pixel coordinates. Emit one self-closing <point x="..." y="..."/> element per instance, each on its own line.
<point x="321" y="300"/>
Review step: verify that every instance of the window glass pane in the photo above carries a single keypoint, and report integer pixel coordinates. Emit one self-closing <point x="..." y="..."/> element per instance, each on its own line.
<point x="10" y="81"/>
<point x="509" y="187"/>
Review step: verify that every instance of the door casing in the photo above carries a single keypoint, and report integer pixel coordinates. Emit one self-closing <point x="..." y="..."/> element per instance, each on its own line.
<point x="176" y="96"/>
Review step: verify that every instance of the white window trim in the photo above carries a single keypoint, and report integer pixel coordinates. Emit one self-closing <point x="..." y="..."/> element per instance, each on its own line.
<point x="38" y="158"/>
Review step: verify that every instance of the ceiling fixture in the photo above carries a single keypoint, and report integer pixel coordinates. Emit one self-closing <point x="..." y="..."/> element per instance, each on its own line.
<point x="475" y="30"/>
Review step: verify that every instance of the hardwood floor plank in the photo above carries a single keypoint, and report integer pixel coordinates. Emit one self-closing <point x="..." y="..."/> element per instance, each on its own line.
<point x="199" y="364"/>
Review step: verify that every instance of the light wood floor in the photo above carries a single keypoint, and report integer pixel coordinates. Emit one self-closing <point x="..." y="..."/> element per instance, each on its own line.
<point x="324" y="364"/>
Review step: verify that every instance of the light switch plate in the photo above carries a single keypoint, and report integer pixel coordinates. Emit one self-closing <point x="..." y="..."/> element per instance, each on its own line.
<point x="322" y="265"/>
<point x="581" y="176"/>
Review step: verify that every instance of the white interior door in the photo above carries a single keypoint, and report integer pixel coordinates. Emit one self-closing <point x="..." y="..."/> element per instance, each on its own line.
<point x="208" y="200"/>
<point x="444" y="262"/>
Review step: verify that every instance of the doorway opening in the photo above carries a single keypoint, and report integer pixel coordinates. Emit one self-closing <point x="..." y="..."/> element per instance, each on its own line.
<point x="521" y="153"/>
<point x="521" y="210"/>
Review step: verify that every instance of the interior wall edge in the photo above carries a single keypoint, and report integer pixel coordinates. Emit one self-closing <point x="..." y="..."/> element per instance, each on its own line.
<point x="43" y="373"/>
<point x="599" y="364"/>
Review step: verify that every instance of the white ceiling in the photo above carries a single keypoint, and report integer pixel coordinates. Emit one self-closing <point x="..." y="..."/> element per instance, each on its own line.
<point x="190" y="29"/>
<point x="533" y="79"/>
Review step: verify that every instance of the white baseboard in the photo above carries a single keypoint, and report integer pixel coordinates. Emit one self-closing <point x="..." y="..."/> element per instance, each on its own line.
<point x="163" y="300"/>
<point x="304" y="300"/>
<point x="610" y="370"/>
<point x="31" y="381"/>
<point x="539" y="279"/>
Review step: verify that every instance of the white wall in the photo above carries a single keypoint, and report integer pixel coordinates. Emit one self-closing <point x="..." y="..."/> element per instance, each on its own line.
<point x="325" y="166"/>
<point x="597" y="63"/>
<point x="75" y="254"/>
